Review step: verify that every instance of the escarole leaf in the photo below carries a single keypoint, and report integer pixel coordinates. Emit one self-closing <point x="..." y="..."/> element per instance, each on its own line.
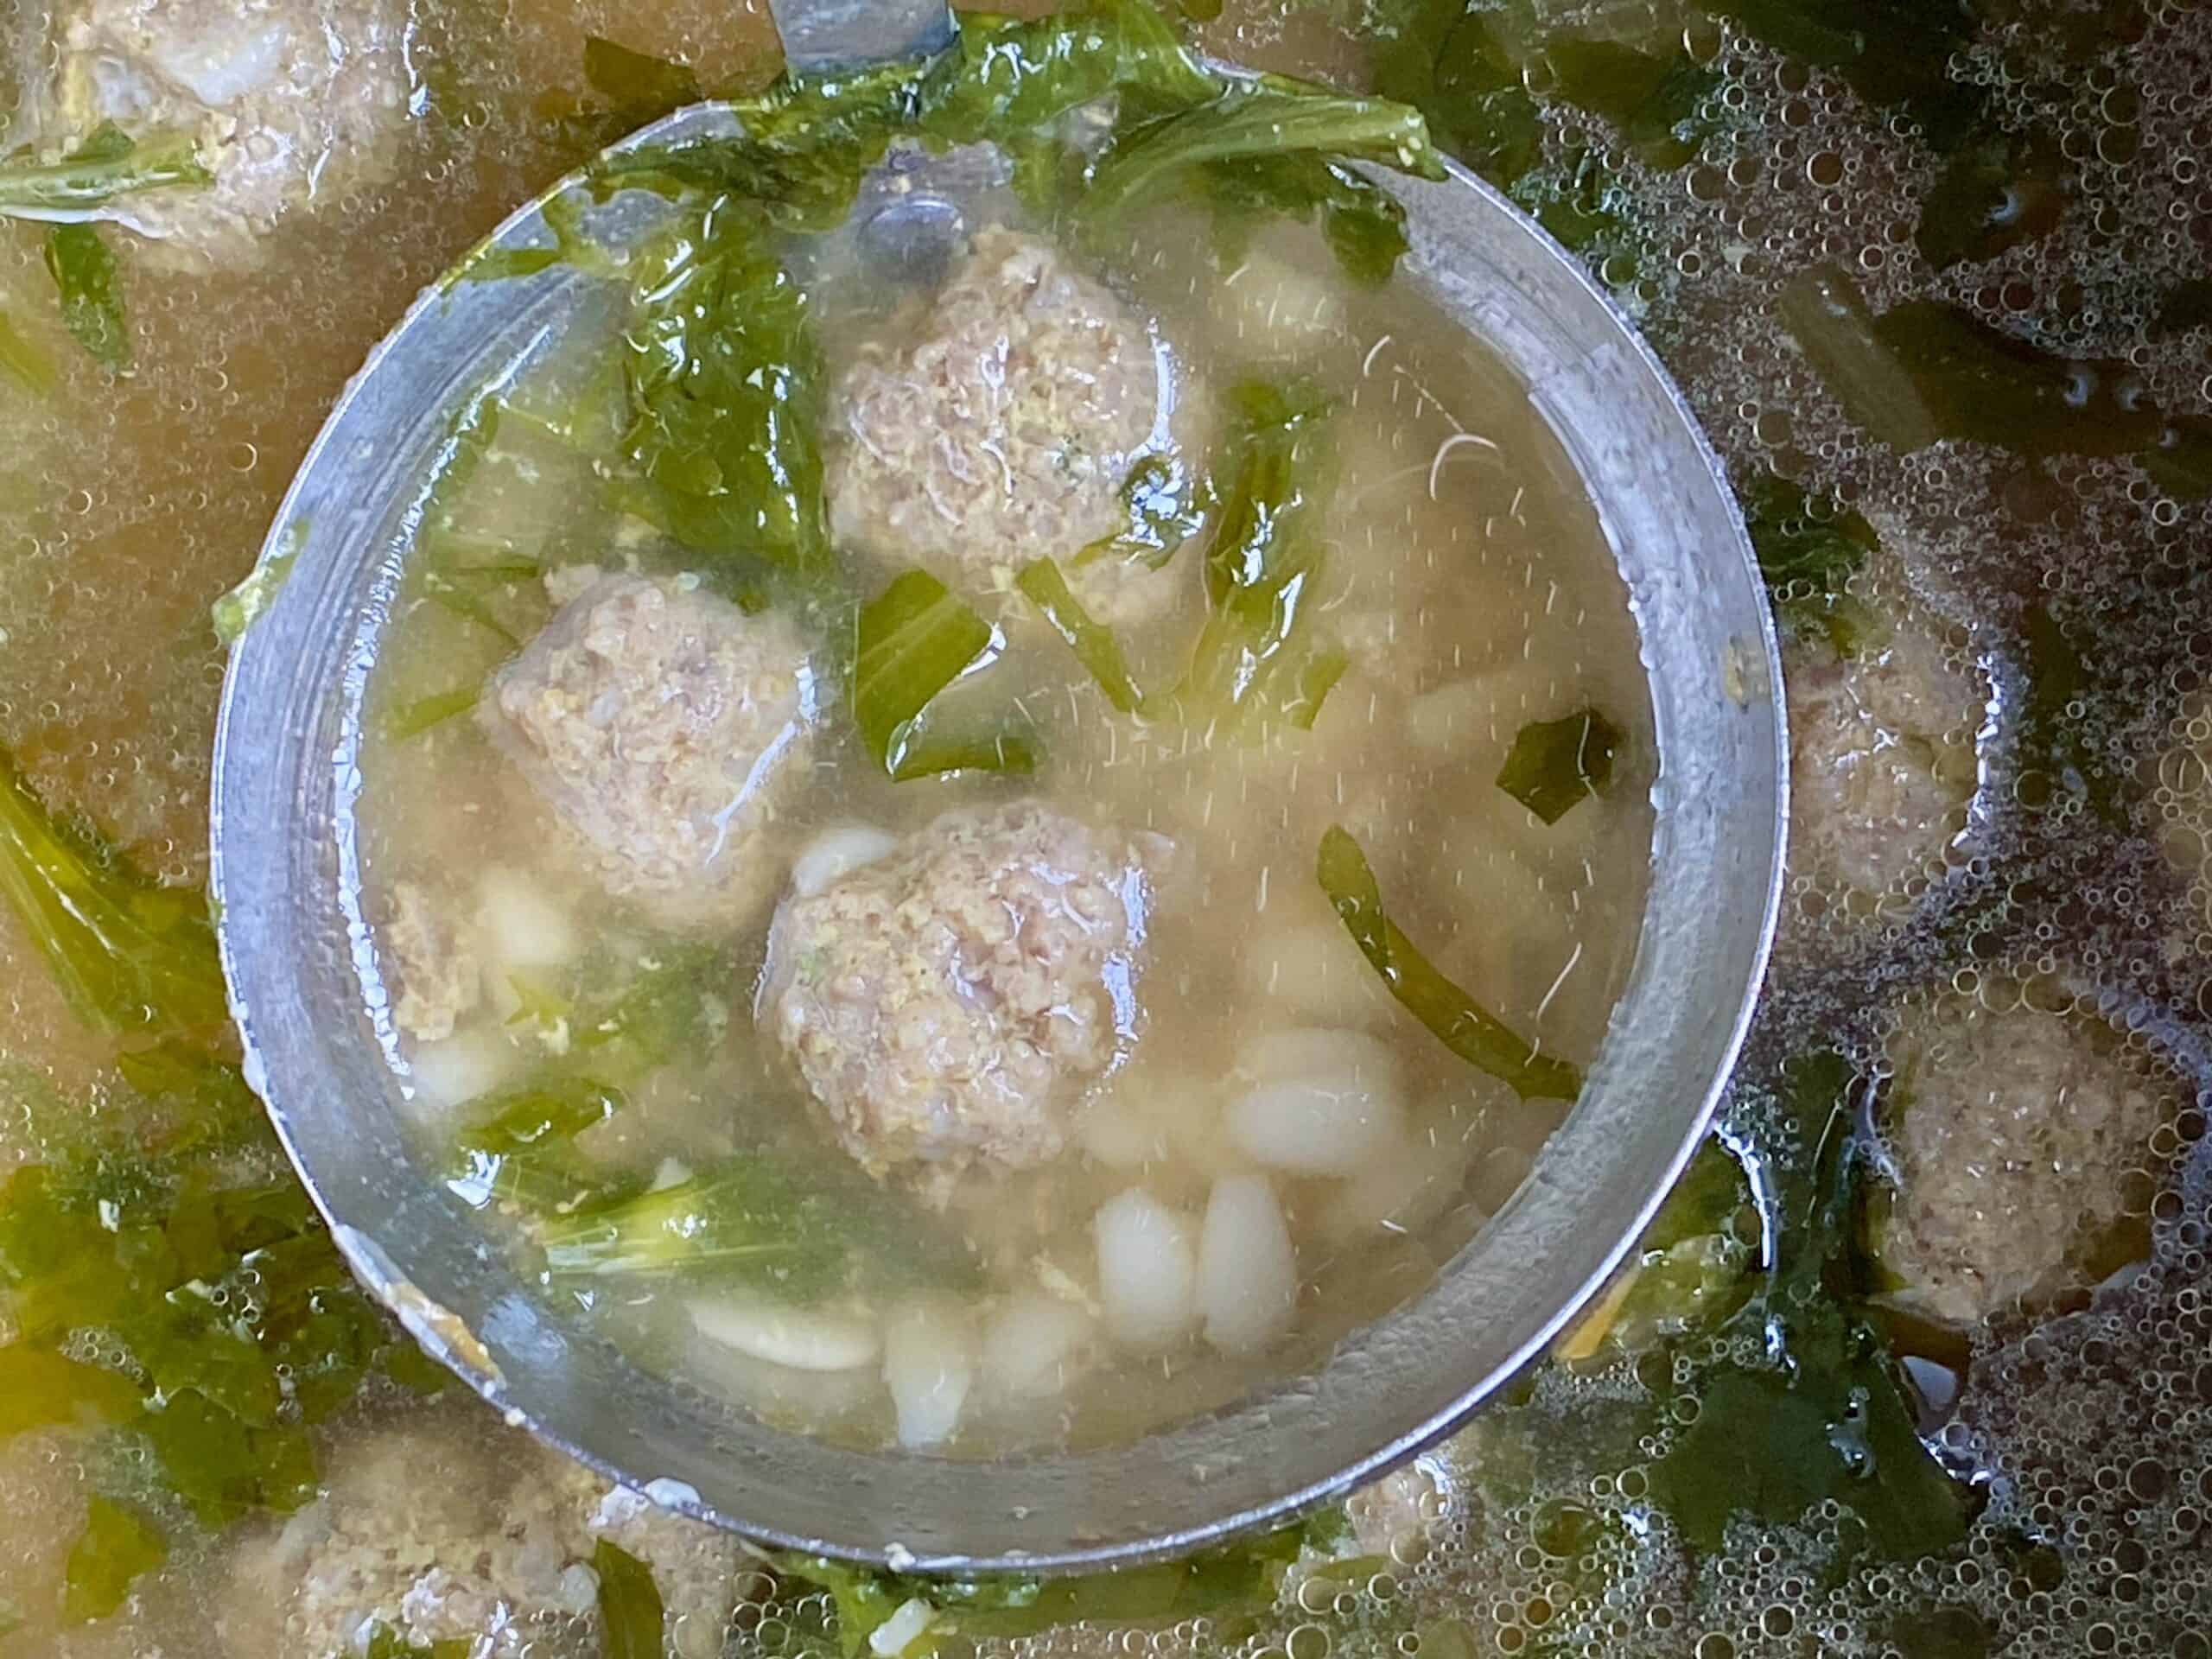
<point x="131" y="956"/>
<point x="1555" y="764"/>
<point x="1808" y="559"/>
<point x="800" y="1233"/>
<point x="1255" y="661"/>
<point x="636" y="87"/>
<point x="1476" y="1037"/>
<point x="512" y="1138"/>
<point x="913" y="640"/>
<point x="725" y="391"/>
<point x="1272" y="117"/>
<point x="116" y="1547"/>
<point x="1093" y="643"/>
<point x="1168" y="503"/>
<point x="630" y="1611"/>
<point x="108" y="165"/>
<point x="84" y="273"/>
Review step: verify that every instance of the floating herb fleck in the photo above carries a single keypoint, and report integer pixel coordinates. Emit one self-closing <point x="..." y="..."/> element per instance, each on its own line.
<point x="83" y="268"/>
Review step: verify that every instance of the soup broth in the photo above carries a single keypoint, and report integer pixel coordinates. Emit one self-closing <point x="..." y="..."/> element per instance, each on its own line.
<point x="1064" y="1055"/>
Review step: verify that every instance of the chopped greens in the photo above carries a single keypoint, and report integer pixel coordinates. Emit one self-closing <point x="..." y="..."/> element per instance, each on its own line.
<point x="630" y="1612"/>
<point x="1168" y="504"/>
<point x="2001" y="190"/>
<point x="132" y="958"/>
<point x="759" y="1220"/>
<point x="1892" y="52"/>
<point x="116" y="1547"/>
<point x="1823" y="1416"/>
<point x="511" y="1137"/>
<point x="638" y="87"/>
<point x="1234" y="1588"/>
<point x="1364" y="224"/>
<point x="1256" y="662"/>
<point x="1555" y="764"/>
<point x="83" y="269"/>
<point x="1657" y="101"/>
<point x="423" y="715"/>
<point x="912" y="641"/>
<point x="1271" y="117"/>
<point x="243" y="605"/>
<point x="1829" y="318"/>
<point x="108" y="166"/>
<point x="1808" y="559"/>
<point x="724" y="383"/>
<point x="1092" y="642"/>
<point x="1475" y="1036"/>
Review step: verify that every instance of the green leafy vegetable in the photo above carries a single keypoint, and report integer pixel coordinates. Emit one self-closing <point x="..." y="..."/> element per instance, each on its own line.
<point x="1092" y="642"/>
<point x="132" y="958"/>
<point x="1892" y="52"/>
<point x="630" y="1612"/>
<point x="638" y="87"/>
<point x="1657" y="101"/>
<point x="1364" y="224"/>
<point x="1824" y="1416"/>
<point x="116" y="1548"/>
<point x="1475" y="1036"/>
<point x="725" y="385"/>
<point x="1256" y="662"/>
<point x="798" y="1230"/>
<point x="108" y="166"/>
<point x="40" y="1389"/>
<point x="385" y="1643"/>
<point x="511" y="1137"/>
<point x="412" y="720"/>
<point x="912" y="641"/>
<point x="1449" y="60"/>
<point x="2001" y="190"/>
<point x="1809" y="560"/>
<point x="2188" y="304"/>
<point x="29" y="367"/>
<point x="1271" y="117"/>
<point x="1555" y="764"/>
<point x="1166" y="503"/>
<point x="245" y="605"/>
<point x="1235" y="1588"/>
<point x="1827" y="316"/>
<point x="83" y="270"/>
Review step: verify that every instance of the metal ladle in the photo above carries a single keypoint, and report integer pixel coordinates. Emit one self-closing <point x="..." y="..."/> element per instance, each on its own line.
<point x="285" y="866"/>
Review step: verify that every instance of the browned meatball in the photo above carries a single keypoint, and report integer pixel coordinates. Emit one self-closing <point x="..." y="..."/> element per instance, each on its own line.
<point x="948" y="1004"/>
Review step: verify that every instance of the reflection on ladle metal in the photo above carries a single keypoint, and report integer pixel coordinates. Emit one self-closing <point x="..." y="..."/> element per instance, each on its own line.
<point x="292" y="929"/>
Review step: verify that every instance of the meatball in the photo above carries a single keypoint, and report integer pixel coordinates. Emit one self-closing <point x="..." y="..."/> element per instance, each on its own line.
<point x="452" y="1528"/>
<point x="947" y="1003"/>
<point x="290" y="99"/>
<point x="1882" y="759"/>
<point x="2012" y="1132"/>
<point x="434" y="968"/>
<point x="664" y="727"/>
<point x="1002" y="430"/>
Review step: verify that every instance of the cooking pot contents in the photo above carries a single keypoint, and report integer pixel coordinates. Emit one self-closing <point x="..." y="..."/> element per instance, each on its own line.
<point x="1913" y="1362"/>
<point x="1057" y="832"/>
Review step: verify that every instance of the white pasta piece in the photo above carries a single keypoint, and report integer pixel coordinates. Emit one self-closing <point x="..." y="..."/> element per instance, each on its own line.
<point x="1310" y="1051"/>
<point x="836" y="851"/>
<point x="1146" y="1271"/>
<point x="521" y="926"/>
<point x="1034" y="1342"/>
<point x="1248" y="1270"/>
<point x="805" y="1340"/>
<point x="1116" y="1133"/>
<point x="1327" y="1125"/>
<point x="929" y="1365"/>
<point x="905" y="1626"/>
<point x="1268" y="310"/>
<point x="1408" y="1184"/>
<point x="1311" y="969"/>
<point x="456" y="1070"/>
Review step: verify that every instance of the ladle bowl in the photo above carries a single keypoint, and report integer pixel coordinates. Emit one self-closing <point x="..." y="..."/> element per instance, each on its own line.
<point x="284" y="877"/>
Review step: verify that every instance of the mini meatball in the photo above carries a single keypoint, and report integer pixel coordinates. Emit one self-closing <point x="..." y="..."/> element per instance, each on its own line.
<point x="435" y="969"/>
<point x="1882" y="759"/>
<point x="291" y="100"/>
<point x="2012" y="1132"/>
<point x="947" y="1003"/>
<point x="664" y="727"/>
<point x="453" y="1529"/>
<point x="1004" y="430"/>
